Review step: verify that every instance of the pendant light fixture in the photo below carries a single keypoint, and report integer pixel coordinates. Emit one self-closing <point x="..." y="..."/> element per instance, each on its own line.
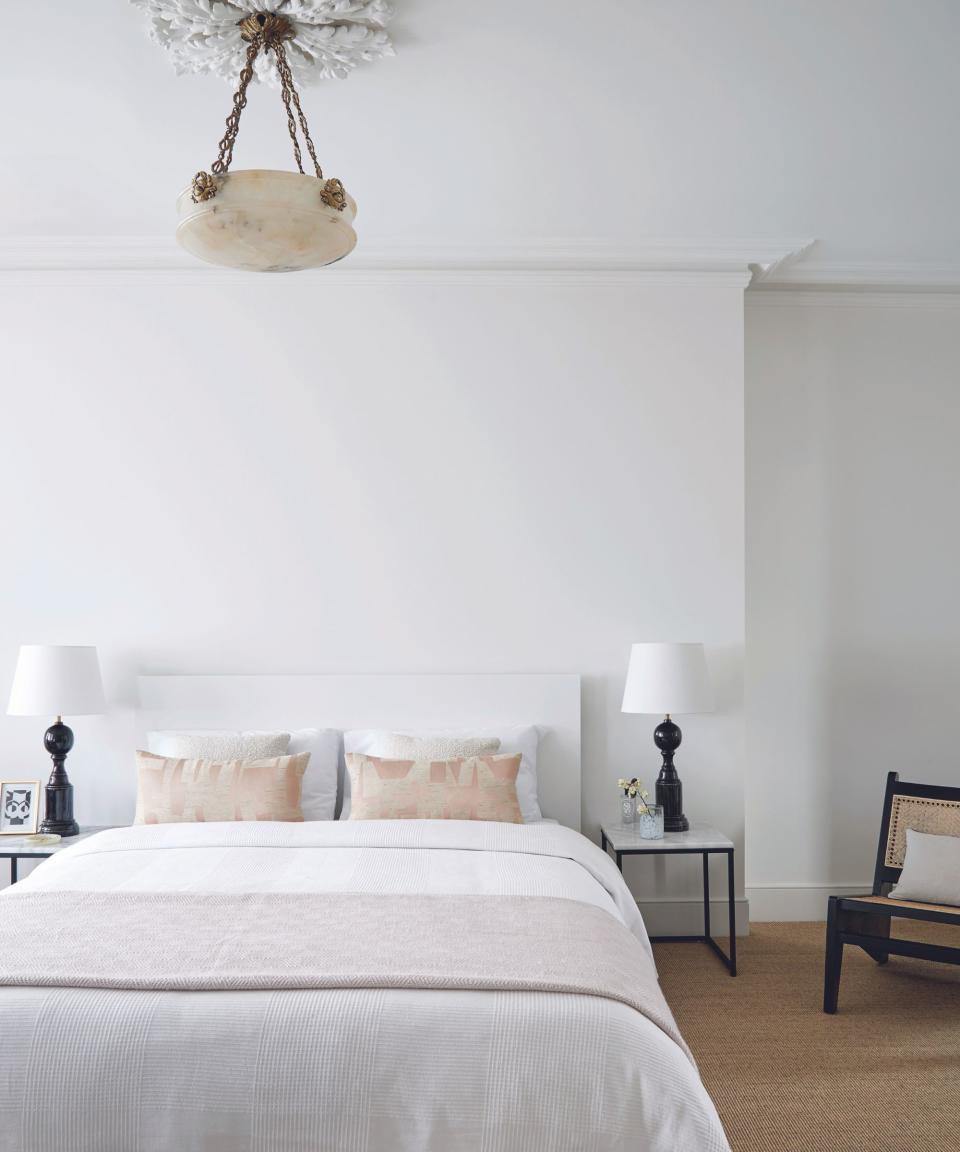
<point x="257" y="219"/>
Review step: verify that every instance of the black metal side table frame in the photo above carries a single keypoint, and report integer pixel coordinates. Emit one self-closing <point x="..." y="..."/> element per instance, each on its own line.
<point x="16" y="857"/>
<point x="15" y="851"/>
<point x="730" y="961"/>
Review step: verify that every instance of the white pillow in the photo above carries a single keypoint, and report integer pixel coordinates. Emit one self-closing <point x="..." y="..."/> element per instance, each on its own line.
<point x="525" y="740"/>
<point x="318" y="797"/>
<point x="931" y="869"/>
<point x="402" y="746"/>
<point x="210" y="744"/>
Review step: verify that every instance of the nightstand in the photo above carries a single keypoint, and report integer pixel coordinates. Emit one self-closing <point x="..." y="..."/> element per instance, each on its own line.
<point x="701" y="840"/>
<point x="16" y="848"/>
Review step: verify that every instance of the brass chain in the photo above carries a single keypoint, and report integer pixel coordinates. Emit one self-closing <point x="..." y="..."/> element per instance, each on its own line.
<point x="290" y="95"/>
<point x="291" y="124"/>
<point x="266" y="31"/>
<point x="224" y="158"/>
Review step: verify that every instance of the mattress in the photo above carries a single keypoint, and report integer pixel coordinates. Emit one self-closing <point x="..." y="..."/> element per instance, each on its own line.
<point x="285" y="1070"/>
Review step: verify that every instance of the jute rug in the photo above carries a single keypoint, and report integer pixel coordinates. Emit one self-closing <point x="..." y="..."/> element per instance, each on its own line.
<point x="883" y="1075"/>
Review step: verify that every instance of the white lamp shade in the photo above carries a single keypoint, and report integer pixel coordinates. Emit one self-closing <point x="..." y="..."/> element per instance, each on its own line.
<point x="667" y="678"/>
<point x="56" y="680"/>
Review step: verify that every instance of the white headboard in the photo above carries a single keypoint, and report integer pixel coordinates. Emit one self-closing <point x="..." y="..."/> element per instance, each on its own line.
<point x="470" y="702"/>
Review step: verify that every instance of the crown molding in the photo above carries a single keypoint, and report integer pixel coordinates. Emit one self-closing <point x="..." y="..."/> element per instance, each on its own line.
<point x="928" y="299"/>
<point x="84" y="260"/>
<point x="819" y="276"/>
<point x="777" y="270"/>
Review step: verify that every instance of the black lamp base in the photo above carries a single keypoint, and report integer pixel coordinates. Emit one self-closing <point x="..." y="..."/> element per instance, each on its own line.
<point x="667" y="737"/>
<point x="58" y="815"/>
<point x="61" y="828"/>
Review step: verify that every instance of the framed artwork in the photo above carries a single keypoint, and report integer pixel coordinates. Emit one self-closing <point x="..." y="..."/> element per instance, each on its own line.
<point x="19" y="807"/>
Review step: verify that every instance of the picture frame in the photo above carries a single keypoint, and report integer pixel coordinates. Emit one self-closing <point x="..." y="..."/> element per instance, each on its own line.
<point x="20" y="802"/>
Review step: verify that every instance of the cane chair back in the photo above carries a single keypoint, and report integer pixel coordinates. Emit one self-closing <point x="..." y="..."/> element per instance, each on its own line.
<point x="922" y="807"/>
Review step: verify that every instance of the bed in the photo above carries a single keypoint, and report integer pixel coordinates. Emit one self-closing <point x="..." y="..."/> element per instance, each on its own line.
<point x="343" y="985"/>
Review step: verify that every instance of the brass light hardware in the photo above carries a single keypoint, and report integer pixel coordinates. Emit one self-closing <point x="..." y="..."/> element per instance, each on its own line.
<point x="259" y="220"/>
<point x="266" y="31"/>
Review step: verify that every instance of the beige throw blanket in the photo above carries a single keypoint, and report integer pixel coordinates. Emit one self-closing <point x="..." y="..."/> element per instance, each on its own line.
<point x="204" y="942"/>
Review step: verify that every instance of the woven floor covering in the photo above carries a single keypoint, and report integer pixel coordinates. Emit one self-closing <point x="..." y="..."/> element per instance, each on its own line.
<point x="884" y="1073"/>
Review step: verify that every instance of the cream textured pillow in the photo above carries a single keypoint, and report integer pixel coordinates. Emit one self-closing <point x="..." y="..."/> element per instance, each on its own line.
<point x="216" y="745"/>
<point x="403" y="746"/>
<point x="173" y="791"/>
<point x="931" y="869"/>
<point x="471" y="788"/>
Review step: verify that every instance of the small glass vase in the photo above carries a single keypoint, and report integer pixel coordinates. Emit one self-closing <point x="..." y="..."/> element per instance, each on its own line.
<point x="628" y="809"/>
<point x="650" y="822"/>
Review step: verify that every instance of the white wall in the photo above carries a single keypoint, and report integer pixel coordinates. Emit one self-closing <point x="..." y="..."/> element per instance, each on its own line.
<point x="288" y="476"/>
<point x="853" y="567"/>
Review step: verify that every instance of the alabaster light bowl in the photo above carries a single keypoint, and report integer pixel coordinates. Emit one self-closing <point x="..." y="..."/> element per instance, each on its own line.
<point x="265" y="221"/>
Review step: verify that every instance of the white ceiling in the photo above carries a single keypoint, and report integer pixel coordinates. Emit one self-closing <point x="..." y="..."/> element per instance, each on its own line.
<point x="615" y="121"/>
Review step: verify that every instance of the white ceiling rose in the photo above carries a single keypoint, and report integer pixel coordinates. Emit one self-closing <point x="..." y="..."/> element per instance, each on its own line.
<point x="330" y="36"/>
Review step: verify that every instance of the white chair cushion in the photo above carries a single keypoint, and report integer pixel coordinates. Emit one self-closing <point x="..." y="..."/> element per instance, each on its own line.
<point x="931" y="869"/>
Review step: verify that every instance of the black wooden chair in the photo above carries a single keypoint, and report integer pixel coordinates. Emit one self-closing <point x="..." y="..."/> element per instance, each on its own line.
<point x="865" y="920"/>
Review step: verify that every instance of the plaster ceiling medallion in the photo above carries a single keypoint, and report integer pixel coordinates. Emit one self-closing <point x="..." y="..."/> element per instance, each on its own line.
<point x="328" y="37"/>
<point x="261" y="220"/>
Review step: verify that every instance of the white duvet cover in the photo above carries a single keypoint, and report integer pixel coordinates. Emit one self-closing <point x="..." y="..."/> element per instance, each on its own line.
<point x="359" y="1070"/>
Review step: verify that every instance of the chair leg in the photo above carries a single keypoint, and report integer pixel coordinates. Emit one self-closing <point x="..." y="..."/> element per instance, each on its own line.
<point x="881" y="955"/>
<point x="869" y="924"/>
<point x="834" y="959"/>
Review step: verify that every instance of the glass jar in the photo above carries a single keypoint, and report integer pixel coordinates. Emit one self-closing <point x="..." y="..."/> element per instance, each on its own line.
<point x="649" y="822"/>
<point x="628" y="809"/>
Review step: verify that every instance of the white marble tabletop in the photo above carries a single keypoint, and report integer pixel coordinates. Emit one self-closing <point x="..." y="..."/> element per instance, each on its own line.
<point x="23" y="847"/>
<point x="700" y="837"/>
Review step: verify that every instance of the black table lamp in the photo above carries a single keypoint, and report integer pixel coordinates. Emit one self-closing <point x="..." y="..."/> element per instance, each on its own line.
<point x="54" y="680"/>
<point x="666" y="680"/>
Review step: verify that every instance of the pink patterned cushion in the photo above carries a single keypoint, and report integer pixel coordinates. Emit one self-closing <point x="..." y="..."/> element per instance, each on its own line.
<point x="176" y="791"/>
<point x="469" y="788"/>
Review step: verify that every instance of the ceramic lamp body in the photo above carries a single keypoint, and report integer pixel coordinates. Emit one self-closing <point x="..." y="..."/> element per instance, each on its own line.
<point x="266" y="221"/>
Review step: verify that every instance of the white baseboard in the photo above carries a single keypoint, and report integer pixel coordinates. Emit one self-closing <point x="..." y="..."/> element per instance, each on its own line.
<point x="797" y="901"/>
<point x="685" y="917"/>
